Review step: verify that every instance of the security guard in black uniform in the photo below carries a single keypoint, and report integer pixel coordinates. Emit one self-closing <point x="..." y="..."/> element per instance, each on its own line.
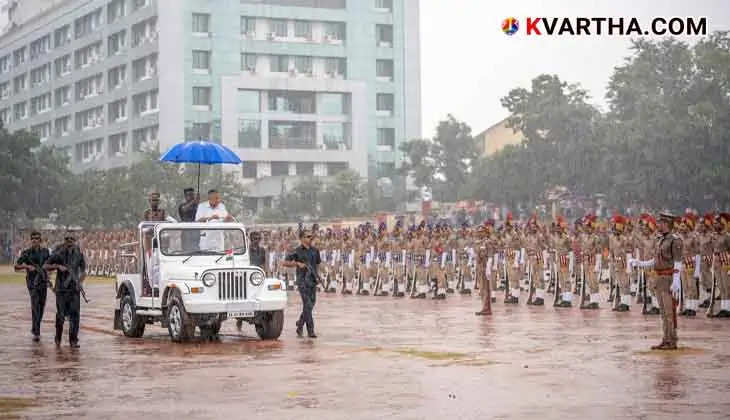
<point x="306" y="259"/>
<point x="31" y="260"/>
<point x="70" y="266"/>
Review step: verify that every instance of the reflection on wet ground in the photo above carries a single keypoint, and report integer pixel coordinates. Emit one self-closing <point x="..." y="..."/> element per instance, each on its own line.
<point x="375" y="358"/>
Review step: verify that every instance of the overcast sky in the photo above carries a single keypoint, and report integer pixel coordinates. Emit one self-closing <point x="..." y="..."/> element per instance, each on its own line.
<point x="468" y="64"/>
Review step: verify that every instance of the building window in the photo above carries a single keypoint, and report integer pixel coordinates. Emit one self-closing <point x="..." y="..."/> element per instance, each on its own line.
<point x="117" y="76"/>
<point x="87" y="23"/>
<point x="201" y="131"/>
<point x="335" y="67"/>
<point x="248" y="62"/>
<point x="385" y="103"/>
<point x="292" y="135"/>
<point x="292" y="101"/>
<point x="144" y="32"/>
<point x="118" y="110"/>
<point x="40" y="75"/>
<point x="90" y="118"/>
<point x="62" y="126"/>
<point x="384" y="35"/>
<point x="248" y="170"/>
<point x="144" y="139"/>
<point x="5" y="64"/>
<point x="279" y="63"/>
<point x="5" y="116"/>
<point x="201" y="60"/>
<point x="279" y="28"/>
<point x="19" y="84"/>
<point x="40" y="104"/>
<point x="384" y="69"/>
<point x="334" y="32"/>
<point x="19" y="57"/>
<point x="89" y="151"/>
<point x="279" y="168"/>
<point x="19" y="111"/>
<point x="62" y="36"/>
<point x="63" y="65"/>
<point x="201" y="23"/>
<point x="334" y="104"/>
<point x="249" y="133"/>
<point x="88" y="55"/>
<point x="385" y="170"/>
<point x="324" y="4"/>
<point x="305" y="168"/>
<point x="138" y="4"/>
<point x="145" y="67"/>
<point x="303" y="64"/>
<point x="249" y="101"/>
<point x="333" y="168"/>
<point x="303" y="29"/>
<point x="42" y="131"/>
<point x="117" y="42"/>
<point x="336" y="136"/>
<point x="248" y="26"/>
<point x="201" y="96"/>
<point x="116" y="10"/>
<point x="385" y="5"/>
<point x="89" y="87"/>
<point x="40" y="47"/>
<point x="118" y="145"/>
<point x="386" y="137"/>
<point x="145" y="103"/>
<point x="4" y="90"/>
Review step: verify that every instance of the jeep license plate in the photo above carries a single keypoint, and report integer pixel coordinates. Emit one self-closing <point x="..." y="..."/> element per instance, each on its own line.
<point x="240" y="314"/>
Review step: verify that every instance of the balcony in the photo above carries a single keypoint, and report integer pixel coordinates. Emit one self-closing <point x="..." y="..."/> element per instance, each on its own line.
<point x="292" y="143"/>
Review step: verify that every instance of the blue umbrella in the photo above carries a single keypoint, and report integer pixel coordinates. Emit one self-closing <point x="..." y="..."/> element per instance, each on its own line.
<point x="199" y="152"/>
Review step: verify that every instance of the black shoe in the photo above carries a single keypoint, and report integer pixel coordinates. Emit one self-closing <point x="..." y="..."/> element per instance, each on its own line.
<point x="705" y="304"/>
<point x="75" y="344"/>
<point x="621" y="308"/>
<point x="347" y="292"/>
<point x="511" y="300"/>
<point x="300" y="330"/>
<point x="652" y="311"/>
<point x="57" y="340"/>
<point x="483" y="313"/>
<point x="689" y="313"/>
<point x="449" y="290"/>
<point x="723" y="314"/>
<point x="36" y="338"/>
<point x="465" y="291"/>
<point x="564" y="304"/>
<point x="592" y="305"/>
<point x="312" y="335"/>
<point x="538" y="302"/>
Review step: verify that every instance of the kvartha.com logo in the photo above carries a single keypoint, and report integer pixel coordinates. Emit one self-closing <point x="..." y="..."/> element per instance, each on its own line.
<point x="592" y="26"/>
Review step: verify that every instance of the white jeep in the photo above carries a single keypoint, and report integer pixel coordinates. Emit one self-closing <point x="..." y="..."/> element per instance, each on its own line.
<point x="194" y="274"/>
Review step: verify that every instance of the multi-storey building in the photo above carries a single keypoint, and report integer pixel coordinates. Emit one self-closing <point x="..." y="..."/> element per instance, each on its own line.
<point x="296" y="87"/>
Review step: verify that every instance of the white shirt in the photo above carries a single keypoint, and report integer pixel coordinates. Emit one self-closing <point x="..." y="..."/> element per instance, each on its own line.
<point x="211" y="240"/>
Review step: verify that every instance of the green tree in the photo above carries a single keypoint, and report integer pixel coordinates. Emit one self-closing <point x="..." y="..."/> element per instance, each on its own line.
<point x="454" y="151"/>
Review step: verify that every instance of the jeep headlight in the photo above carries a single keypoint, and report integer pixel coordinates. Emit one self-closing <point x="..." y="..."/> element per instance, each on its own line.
<point x="209" y="279"/>
<point x="256" y="278"/>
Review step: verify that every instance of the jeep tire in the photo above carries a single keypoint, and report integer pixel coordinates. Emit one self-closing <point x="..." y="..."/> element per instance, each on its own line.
<point x="179" y="323"/>
<point x="132" y="324"/>
<point x="269" y="324"/>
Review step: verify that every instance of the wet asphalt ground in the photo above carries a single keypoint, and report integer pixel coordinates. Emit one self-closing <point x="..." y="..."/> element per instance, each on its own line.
<point x="376" y="357"/>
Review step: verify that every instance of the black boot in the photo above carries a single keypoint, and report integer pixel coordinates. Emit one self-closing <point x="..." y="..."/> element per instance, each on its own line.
<point x="511" y="300"/>
<point x="622" y="308"/>
<point x="300" y="329"/>
<point x="564" y="304"/>
<point x="723" y="314"/>
<point x="538" y="302"/>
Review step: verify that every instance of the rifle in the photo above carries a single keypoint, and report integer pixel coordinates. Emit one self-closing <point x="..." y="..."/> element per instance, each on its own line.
<point x="713" y="290"/>
<point x="644" y="295"/>
<point x="530" y="284"/>
<point x="612" y="286"/>
<point x="582" y="284"/>
<point x="506" y="276"/>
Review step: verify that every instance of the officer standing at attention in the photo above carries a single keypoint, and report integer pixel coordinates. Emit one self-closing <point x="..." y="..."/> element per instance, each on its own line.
<point x="306" y="259"/>
<point x="32" y="260"/>
<point x="69" y="263"/>
<point x="667" y="264"/>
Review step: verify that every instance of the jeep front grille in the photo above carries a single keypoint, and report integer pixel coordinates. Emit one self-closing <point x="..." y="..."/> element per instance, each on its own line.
<point x="231" y="285"/>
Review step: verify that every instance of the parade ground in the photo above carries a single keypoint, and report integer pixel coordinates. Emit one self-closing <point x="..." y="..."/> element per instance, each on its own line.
<point x="376" y="357"/>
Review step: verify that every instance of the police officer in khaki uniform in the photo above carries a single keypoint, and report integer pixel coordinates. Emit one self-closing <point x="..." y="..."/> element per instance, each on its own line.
<point x="666" y="264"/>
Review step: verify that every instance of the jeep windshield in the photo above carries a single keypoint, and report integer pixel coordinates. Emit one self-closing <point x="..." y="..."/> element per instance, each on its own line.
<point x="208" y="241"/>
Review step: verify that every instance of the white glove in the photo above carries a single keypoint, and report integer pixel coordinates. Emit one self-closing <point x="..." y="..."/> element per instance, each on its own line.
<point x="676" y="282"/>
